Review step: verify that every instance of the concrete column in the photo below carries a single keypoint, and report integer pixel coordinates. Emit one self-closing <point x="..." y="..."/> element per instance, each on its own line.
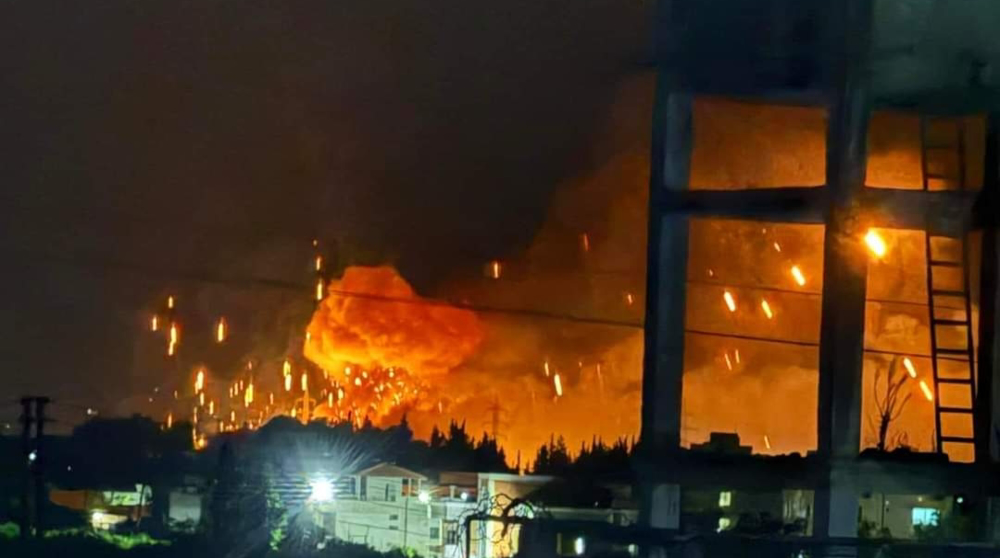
<point x="987" y="420"/>
<point x="845" y="268"/>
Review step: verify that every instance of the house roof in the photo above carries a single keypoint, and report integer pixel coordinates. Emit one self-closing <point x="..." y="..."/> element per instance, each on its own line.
<point x="391" y="471"/>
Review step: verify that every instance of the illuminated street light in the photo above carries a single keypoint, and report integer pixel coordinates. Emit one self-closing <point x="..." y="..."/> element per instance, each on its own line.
<point x="320" y="490"/>
<point x="579" y="546"/>
<point x="423" y="497"/>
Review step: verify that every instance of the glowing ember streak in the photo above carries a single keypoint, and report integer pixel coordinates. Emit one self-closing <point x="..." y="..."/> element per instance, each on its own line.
<point x="329" y="399"/>
<point x="199" y="381"/>
<point x="270" y="398"/>
<point x="737" y="353"/>
<point x="232" y="416"/>
<point x="495" y="269"/>
<point x="154" y="323"/>
<point x="546" y="368"/>
<point x="629" y="299"/>
<point x="730" y="301"/>
<point x="908" y="364"/>
<point x="767" y="309"/>
<point x="340" y="393"/>
<point x="315" y="242"/>
<point x="558" y="384"/>
<point x="767" y="442"/>
<point x="286" y="368"/>
<point x="211" y="407"/>
<point x="927" y="391"/>
<point x="170" y="420"/>
<point x="797" y="275"/>
<point x="248" y="395"/>
<point x="357" y="381"/>
<point x="201" y="398"/>
<point x="585" y="242"/>
<point x="319" y="289"/>
<point x="729" y="363"/>
<point x="305" y="382"/>
<point x="221" y="330"/>
<point x="288" y="382"/>
<point x="875" y="243"/>
<point x="319" y="263"/>
<point x="347" y="370"/>
<point x="777" y="247"/>
<point x="170" y="302"/>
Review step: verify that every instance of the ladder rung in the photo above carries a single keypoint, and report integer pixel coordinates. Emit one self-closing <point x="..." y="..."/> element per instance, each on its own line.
<point x="943" y="292"/>
<point x="955" y="410"/>
<point x="940" y="321"/>
<point x="943" y="351"/>
<point x="942" y="263"/>
<point x="958" y="439"/>
<point x="958" y="381"/>
<point x="935" y="176"/>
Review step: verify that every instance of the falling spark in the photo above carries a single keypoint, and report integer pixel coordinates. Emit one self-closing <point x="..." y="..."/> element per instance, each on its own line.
<point x="347" y="370"/>
<point x="546" y="368"/>
<point x="319" y="289"/>
<point x="711" y="273"/>
<point x="288" y="382"/>
<point x="176" y="395"/>
<point x="174" y="339"/>
<point x="221" y="330"/>
<point x="737" y="353"/>
<point x="211" y="408"/>
<point x="730" y="301"/>
<point x="927" y="391"/>
<point x="767" y="309"/>
<point x="170" y="421"/>
<point x="629" y="299"/>
<point x="270" y="398"/>
<point x="767" y="442"/>
<point x="201" y="399"/>
<point x="797" y="275"/>
<point x="319" y="263"/>
<point x="170" y="302"/>
<point x="232" y="416"/>
<point x="495" y="269"/>
<point x="154" y="323"/>
<point x="286" y="368"/>
<point x="585" y="242"/>
<point x="729" y="363"/>
<point x="357" y="381"/>
<point x="199" y="381"/>
<point x="875" y="243"/>
<point x="248" y="395"/>
<point x="315" y="242"/>
<point x="908" y="364"/>
<point x="558" y="384"/>
<point x="305" y="382"/>
<point x="777" y="247"/>
<point x="340" y="393"/>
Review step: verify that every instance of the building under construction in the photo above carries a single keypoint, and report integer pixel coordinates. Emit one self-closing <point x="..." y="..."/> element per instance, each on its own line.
<point x="878" y="272"/>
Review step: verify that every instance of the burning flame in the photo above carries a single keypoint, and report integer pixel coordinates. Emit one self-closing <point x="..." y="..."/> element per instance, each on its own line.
<point x="797" y="275"/>
<point x="221" y="330"/>
<point x="199" y="381"/>
<point x="875" y="243"/>
<point x="288" y="382"/>
<point x="248" y="395"/>
<point x="305" y="382"/>
<point x="927" y="391"/>
<point x="767" y="309"/>
<point x="730" y="300"/>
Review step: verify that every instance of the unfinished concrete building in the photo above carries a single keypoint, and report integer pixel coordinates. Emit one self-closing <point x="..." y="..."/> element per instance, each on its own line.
<point x="872" y="274"/>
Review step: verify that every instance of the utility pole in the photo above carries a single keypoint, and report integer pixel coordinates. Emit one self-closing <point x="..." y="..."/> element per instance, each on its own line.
<point x="33" y="414"/>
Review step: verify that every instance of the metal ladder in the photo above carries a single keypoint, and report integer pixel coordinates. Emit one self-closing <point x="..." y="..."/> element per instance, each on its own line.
<point x="943" y="168"/>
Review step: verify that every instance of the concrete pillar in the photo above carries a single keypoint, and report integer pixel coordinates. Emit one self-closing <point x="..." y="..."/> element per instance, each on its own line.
<point x="987" y="420"/>
<point x="845" y="268"/>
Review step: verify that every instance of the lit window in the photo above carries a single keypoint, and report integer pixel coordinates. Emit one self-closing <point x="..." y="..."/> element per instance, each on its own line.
<point x="579" y="546"/>
<point x="925" y="517"/>
<point x="724" y="523"/>
<point x="725" y="499"/>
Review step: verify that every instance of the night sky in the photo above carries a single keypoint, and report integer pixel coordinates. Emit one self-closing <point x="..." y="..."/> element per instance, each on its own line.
<point x="148" y="143"/>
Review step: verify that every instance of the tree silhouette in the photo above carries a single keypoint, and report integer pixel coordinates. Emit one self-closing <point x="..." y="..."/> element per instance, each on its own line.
<point x="888" y="405"/>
